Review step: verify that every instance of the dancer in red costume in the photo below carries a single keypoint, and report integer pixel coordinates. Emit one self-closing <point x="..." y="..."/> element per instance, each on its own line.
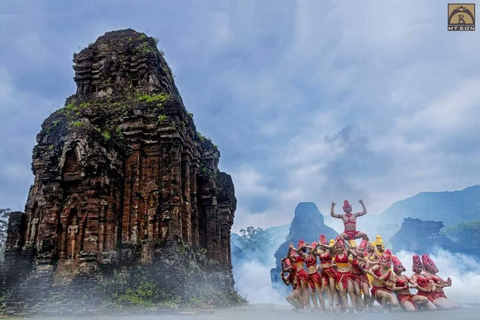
<point x="344" y="275"/>
<point x="376" y="249"/>
<point x="359" y="266"/>
<point x="289" y="267"/>
<point x="350" y="221"/>
<point x="382" y="281"/>
<point x="425" y="286"/>
<point x="328" y="274"/>
<point x="301" y="273"/>
<point x="314" y="278"/>
<point x="408" y="301"/>
<point x="430" y="271"/>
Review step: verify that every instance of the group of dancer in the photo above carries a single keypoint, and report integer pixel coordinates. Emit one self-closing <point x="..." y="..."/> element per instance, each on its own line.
<point x="352" y="276"/>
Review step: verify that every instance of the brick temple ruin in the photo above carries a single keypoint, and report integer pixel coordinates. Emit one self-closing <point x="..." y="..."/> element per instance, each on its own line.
<point x="121" y="175"/>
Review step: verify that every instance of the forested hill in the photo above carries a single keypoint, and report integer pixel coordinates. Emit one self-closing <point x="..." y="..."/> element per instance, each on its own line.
<point x="451" y="207"/>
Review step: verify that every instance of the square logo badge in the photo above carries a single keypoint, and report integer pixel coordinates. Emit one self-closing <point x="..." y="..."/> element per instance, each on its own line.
<point x="461" y="17"/>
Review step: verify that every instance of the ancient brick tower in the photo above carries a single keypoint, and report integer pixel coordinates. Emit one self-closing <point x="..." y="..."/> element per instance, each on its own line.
<point x="120" y="171"/>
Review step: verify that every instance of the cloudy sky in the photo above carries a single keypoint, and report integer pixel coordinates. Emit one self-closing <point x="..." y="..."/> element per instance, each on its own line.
<point x="307" y="100"/>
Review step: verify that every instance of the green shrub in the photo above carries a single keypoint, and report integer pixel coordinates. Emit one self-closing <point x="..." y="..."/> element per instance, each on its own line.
<point x="71" y="107"/>
<point x="464" y="232"/>
<point x="71" y="110"/>
<point x="145" y="48"/>
<point x="119" y="132"/>
<point x="149" y="98"/>
<point x="106" y="136"/>
<point x="143" y="295"/>
<point x="201" y="137"/>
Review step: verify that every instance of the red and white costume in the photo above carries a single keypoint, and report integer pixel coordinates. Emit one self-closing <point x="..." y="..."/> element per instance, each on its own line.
<point x="402" y="298"/>
<point x="422" y="280"/>
<point x="301" y="273"/>
<point x="375" y="289"/>
<point x="387" y="256"/>
<point x="358" y="274"/>
<point x="430" y="267"/>
<point x="350" y="221"/>
<point x="326" y="258"/>
<point x="342" y="261"/>
<point x="313" y="278"/>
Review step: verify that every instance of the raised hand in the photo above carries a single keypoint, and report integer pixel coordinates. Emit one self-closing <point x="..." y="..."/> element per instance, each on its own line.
<point x="333" y="204"/>
<point x="361" y="201"/>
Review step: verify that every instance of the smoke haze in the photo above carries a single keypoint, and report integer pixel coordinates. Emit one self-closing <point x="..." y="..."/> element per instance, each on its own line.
<point x="462" y="269"/>
<point x="252" y="279"/>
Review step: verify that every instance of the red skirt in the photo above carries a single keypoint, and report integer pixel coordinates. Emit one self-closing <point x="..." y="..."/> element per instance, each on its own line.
<point x="302" y="275"/>
<point x="438" y="294"/>
<point x="402" y="298"/>
<point x="343" y="278"/>
<point x="328" y="273"/>
<point x="361" y="278"/>
<point x="351" y="234"/>
<point x="376" y="289"/>
<point x="429" y="295"/>
<point x="313" y="279"/>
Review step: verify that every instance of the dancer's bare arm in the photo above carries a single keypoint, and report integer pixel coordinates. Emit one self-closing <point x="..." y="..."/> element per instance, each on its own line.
<point x="332" y="212"/>
<point x="315" y="251"/>
<point x="364" y="212"/>
<point x="299" y="251"/>
<point x="371" y="271"/>
<point x="328" y="246"/>
<point x="444" y="283"/>
<point x="353" y="252"/>
<point x="449" y="282"/>
<point x="419" y="288"/>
